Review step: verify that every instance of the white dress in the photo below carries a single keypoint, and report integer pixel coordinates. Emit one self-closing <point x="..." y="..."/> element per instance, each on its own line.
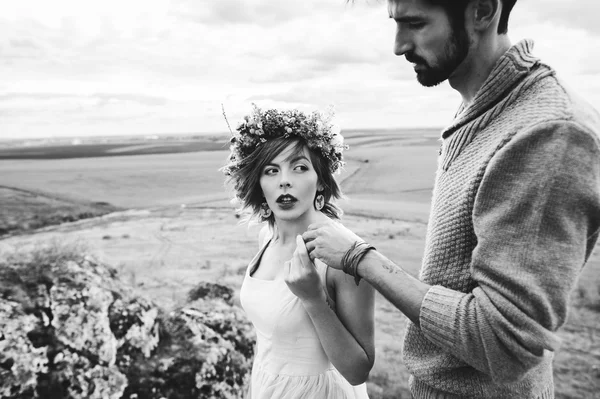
<point x="290" y="362"/>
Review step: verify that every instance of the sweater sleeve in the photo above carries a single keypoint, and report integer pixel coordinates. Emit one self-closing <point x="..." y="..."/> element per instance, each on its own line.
<point x="536" y="218"/>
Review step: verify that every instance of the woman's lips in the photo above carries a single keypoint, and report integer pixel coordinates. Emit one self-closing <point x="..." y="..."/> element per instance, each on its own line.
<point x="286" y="201"/>
<point x="286" y="206"/>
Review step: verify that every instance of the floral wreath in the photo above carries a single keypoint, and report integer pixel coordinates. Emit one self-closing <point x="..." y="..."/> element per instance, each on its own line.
<point x="316" y="129"/>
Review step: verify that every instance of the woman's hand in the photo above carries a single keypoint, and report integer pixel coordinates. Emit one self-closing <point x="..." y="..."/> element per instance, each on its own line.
<point x="301" y="275"/>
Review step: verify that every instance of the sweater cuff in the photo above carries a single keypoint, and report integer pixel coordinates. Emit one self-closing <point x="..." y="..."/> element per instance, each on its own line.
<point x="439" y="314"/>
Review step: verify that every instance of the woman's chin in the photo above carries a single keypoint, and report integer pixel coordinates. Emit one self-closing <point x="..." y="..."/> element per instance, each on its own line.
<point x="287" y="216"/>
<point x="296" y="215"/>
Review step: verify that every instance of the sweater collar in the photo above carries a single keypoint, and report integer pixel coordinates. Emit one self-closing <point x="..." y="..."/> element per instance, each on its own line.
<point x="508" y="71"/>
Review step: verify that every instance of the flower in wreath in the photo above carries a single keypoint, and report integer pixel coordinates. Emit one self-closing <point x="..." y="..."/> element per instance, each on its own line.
<point x="258" y="127"/>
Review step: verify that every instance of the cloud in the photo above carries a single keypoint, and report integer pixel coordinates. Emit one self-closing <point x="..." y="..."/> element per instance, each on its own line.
<point x="23" y="43"/>
<point x="101" y="98"/>
<point x="291" y="71"/>
<point x="242" y="12"/>
<point x="31" y="114"/>
<point x="33" y="96"/>
<point x="151" y="66"/>
<point x="580" y="15"/>
<point x="125" y="97"/>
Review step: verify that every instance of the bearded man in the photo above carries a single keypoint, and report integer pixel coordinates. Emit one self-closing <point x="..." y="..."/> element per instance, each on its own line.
<point x="515" y="210"/>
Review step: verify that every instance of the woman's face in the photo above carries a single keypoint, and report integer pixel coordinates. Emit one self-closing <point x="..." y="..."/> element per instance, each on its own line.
<point x="289" y="183"/>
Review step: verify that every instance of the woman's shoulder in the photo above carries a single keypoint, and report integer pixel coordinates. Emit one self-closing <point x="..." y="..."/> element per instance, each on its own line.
<point x="333" y="275"/>
<point x="264" y="234"/>
<point x="340" y="281"/>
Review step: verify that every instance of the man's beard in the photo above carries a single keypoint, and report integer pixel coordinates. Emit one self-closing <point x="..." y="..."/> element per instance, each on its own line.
<point x="455" y="52"/>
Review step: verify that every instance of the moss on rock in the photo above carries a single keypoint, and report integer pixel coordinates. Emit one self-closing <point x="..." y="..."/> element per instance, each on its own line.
<point x="69" y="328"/>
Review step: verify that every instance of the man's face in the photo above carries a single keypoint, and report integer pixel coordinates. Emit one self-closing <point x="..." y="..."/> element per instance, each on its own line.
<point x="426" y="36"/>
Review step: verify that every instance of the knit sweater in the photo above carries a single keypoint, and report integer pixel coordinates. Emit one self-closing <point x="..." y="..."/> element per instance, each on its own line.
<point x="515" y="215"/>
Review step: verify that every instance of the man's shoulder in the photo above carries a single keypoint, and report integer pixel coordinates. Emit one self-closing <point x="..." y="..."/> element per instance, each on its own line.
<point x="550" y="99"/>
<point x="581" y="112"/>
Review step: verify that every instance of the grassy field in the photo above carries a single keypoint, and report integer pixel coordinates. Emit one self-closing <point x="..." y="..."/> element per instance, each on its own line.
<point x="94" y="150"/>
<point x="136" y="181"/>
<point x="26" y="210"/>
<point x="162" y="248"/>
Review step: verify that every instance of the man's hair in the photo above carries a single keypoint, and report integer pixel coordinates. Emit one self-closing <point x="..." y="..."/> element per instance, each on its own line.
<point x="507" y="6"/>
<point x="246" y="180"/>
<point x="456" y="11"/>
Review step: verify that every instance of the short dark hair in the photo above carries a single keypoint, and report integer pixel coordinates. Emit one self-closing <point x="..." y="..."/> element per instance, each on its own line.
<point x="246" y="180"/>
<point x="454" y="8"/>
<point x="507" y="6"/>
<point x="456" y="11"/>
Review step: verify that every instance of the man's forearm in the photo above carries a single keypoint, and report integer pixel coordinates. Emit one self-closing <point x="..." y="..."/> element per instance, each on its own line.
<point x="404" y="291"/>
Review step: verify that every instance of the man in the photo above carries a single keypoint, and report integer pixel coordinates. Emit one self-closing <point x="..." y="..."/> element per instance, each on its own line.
<point x="515" y="210"/>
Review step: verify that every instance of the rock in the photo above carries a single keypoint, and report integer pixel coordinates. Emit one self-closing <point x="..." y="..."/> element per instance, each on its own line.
<point x="205" y="290"/>
<point x="21" y="360"/>
<point x="69" y="328"/>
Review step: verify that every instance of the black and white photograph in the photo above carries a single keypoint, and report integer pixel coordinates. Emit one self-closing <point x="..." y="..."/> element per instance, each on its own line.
<point x="260" y="199"/>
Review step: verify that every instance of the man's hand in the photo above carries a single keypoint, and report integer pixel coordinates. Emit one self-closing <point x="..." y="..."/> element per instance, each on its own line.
<point x="328" y="242"/>
<point x="301" y="275"/>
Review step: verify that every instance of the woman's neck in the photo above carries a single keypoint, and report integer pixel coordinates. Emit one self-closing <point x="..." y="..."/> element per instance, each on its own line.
<point x="288" y="230"/>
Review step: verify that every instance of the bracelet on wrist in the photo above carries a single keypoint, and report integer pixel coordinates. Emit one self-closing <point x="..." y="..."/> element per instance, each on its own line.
<point x="345" y="259"/>
<point x="352" y="258"/>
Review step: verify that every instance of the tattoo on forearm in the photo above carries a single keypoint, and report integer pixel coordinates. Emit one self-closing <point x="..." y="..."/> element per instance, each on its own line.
<point x="392" y="268"/>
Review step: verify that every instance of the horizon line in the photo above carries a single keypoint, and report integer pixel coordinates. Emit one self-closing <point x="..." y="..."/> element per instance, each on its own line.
<point x="162" y="135"/>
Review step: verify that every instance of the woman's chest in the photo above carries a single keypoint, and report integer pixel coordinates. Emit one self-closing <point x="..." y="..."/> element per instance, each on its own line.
<point x="274" y="310"/>
<point x="272" y="263"/>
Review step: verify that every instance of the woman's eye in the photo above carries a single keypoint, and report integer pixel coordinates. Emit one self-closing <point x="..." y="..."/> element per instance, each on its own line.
<point x="301" y="168"/>
<point x="270" y="171"/>
<point x="416" y="25"/>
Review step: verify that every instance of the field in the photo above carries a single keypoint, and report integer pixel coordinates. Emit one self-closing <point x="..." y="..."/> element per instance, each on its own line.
<point x="25" y="210"/>
<point x="165" y="221"/>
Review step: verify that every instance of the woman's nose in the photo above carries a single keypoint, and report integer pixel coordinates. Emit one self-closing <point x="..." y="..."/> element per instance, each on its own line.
<point x="285" y="179"/>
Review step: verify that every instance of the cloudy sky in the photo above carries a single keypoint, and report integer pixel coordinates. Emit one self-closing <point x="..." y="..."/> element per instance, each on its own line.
<point x="104" y="67"/>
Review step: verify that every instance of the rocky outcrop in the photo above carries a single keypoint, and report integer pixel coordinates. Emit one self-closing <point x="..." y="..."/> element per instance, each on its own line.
<point x="69" y="328"/>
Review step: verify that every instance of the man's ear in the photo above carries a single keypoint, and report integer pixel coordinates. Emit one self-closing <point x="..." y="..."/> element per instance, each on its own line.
<point x="484" y="13"/>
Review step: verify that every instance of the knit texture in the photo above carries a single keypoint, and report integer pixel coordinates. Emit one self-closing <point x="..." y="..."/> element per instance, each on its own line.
<point x="515" y="215"/>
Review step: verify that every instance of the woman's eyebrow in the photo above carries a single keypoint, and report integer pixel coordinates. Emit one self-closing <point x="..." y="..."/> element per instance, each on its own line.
<point x="296" y="158"/>
<point x="291" y="159"/>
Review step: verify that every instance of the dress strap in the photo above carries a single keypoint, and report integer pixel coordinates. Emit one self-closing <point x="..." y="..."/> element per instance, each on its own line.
<point x="252" y="266"/>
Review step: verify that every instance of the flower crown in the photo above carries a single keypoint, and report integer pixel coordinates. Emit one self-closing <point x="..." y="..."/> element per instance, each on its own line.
<point x="260" y="126"/>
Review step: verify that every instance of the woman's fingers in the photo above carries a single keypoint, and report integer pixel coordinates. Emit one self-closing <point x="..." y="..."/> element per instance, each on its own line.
<point x="301" y="253"/>
<point x="287" y="269"/>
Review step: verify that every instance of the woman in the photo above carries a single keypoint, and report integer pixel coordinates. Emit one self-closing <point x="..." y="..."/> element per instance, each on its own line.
<point x="314" y="325"/>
